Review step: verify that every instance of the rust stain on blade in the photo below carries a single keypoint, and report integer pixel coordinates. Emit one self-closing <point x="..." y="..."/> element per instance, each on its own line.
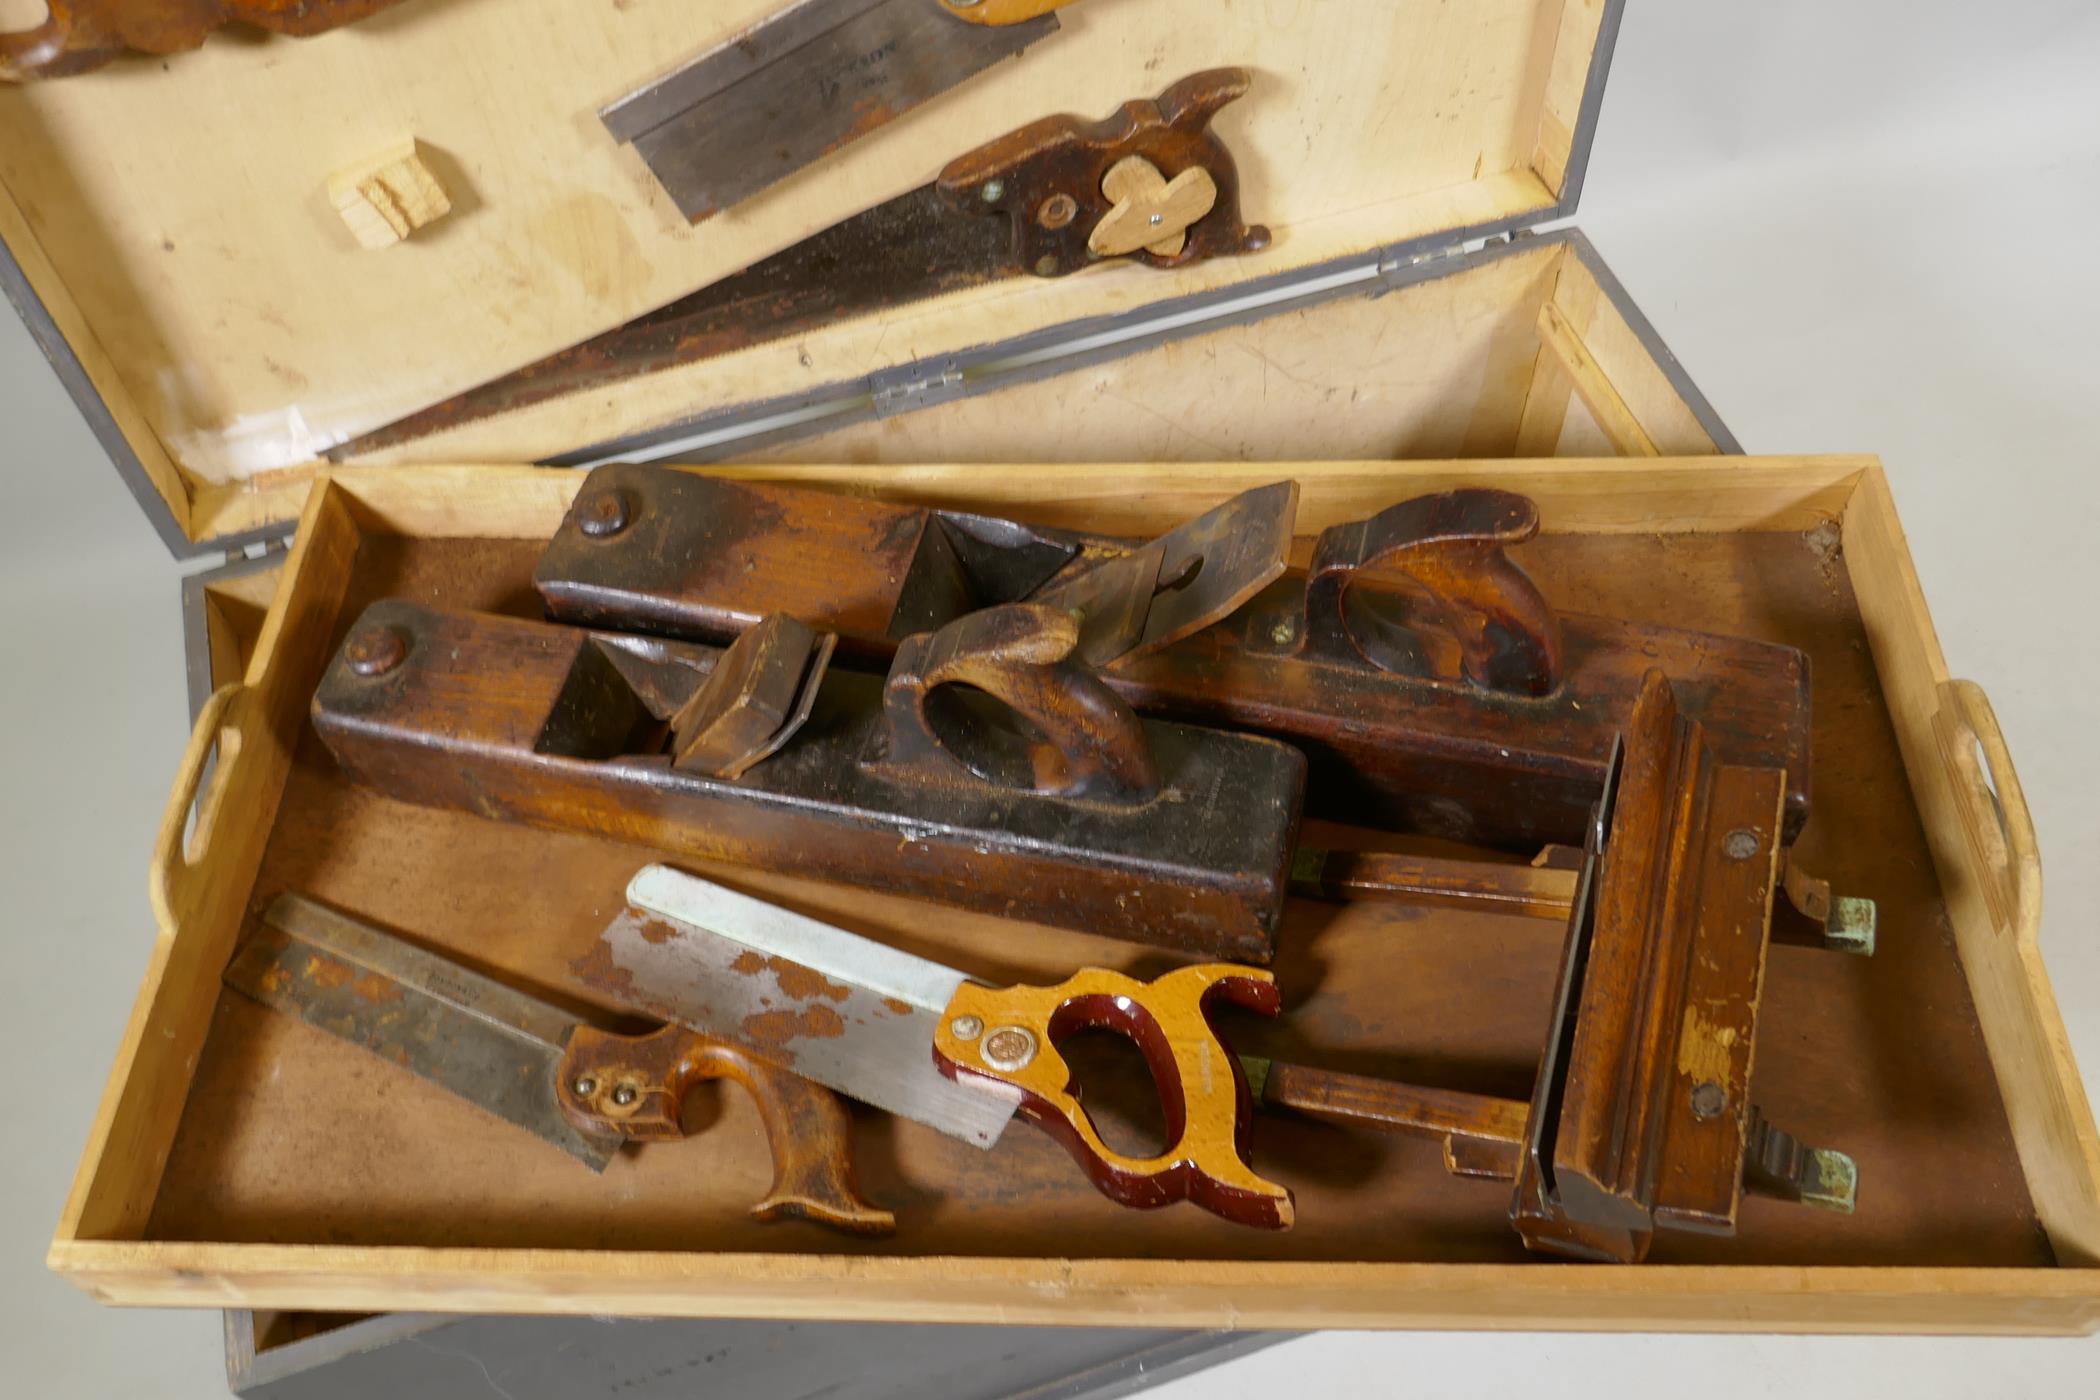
<point x="657" y="931"/>
<point x="376" y="989"/>
<point x="775" y="1031"/>
<point x="876" y="1051"/>
<point x="804" y="984"/>
<point x="869" y="114"/>
<point x="327" y="973"/>
<point x="598" y="970"/>
<point x="797" y="983"/>
<point x="489" y="1045"/>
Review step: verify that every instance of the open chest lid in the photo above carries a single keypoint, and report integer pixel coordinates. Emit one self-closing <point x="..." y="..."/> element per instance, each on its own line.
<point x="171" y="240"/>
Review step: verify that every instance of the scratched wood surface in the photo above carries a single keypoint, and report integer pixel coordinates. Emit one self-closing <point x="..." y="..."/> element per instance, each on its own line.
<point x="292" y="1138"/>
<point x="1450" y="367"/>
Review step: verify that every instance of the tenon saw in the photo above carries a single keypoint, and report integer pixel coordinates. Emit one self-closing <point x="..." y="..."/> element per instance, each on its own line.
<point x="809" y="78"/>
<point x="570" y="1084"/>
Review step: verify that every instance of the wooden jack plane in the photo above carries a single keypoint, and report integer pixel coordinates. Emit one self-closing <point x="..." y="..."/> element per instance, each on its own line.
<point x="989" y="769"/>
<point x="1431" y="686"/>
<point x="999" y="763"/>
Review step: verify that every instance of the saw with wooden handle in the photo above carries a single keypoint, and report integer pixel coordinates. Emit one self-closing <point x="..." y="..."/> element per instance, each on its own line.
<point x="1047" y="199"/>
<point x="923" y="1041"/>
<point x="582" y="1089"/>
<point x="79" y="36"/>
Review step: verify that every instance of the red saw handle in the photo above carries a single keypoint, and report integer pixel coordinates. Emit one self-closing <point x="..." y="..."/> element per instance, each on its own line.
<point x="1010" y="1035"/>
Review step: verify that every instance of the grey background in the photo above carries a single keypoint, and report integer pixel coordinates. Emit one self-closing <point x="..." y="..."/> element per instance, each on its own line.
<point x="1862" y="227"/>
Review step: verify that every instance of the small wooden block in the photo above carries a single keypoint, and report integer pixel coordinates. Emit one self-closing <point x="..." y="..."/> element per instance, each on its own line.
<point x="386" y="200"/>
<point x="1152" y="212"/>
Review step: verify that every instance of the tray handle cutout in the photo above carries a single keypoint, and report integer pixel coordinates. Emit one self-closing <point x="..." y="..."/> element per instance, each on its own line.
<point x="201" y="785"/>
<point x="1994" y="816"/>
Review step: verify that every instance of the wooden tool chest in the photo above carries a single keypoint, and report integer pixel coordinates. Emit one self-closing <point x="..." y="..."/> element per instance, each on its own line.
<point x="1404" y="333"/>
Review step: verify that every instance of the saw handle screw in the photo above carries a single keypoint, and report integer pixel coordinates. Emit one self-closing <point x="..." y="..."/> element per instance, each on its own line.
<point x="1009" y="1047"/>
<point x="1057" y="211"/>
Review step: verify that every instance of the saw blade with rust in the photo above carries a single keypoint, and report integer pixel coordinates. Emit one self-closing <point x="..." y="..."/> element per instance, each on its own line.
<point x="911" y="247"/>
<point x="489" y="1044"/>
<point x="805" y="81"/>
<point x="1023" y="204"/>
<point x="728" y="965"/>
<point x="927" y="1043"/>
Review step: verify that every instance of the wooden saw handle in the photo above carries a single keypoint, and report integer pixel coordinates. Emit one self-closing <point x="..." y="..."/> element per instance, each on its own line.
<point x="1448" y="550"/>
<point x="1010" y="1035"/>
<point x="1000" y="12"/>
<point x="79" y="36"/>
<point x="636" y="1085"/>
<point x="1047" y="177"/>
<point x="1151" y="211"/>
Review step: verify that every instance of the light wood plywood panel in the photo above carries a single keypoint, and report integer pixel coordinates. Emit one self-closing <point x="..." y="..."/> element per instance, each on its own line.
<point x="1435" y="369"/>
<point x="184" y="205"/>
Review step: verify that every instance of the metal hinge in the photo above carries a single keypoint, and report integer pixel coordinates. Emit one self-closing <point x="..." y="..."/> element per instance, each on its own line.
<point x="910" y="387"/>
<point x="1397" y="266"/>
<point x="257" y="549"/>
<point x="1408" y="265"/>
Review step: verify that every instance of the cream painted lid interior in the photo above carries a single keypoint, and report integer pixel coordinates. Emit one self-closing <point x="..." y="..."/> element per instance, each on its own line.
<point x="174" y="217"/>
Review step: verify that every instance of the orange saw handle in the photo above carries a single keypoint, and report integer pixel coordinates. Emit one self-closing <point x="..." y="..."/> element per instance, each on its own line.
<point x="997" y="12"/>
<point x="1010" y="1035"/>
<point x="79" y="36"/>
<point x="635" y="1086"/>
